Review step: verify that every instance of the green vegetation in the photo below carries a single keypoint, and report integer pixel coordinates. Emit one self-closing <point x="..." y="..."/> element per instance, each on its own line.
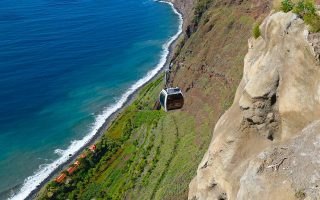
<point x="199" y="10"/>
<point x="256" y="31"/>
<point x="304" y="7"/>
<point x="109" y="147"/>
<point x="306" y="10"/>
<point x="287" y="5"/>
<point x="179" y="45"/>
<point x="150" y="154"/>
<point x="313" y="21"/>
<point x="144" y="151"/>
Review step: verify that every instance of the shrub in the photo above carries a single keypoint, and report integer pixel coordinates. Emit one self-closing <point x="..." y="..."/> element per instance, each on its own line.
<point x="200" y="9"/>
<point x="256" y="31"/>
<point x="310" y="8"/>
<point x="305" y="7"/>
<point x="313" y="21"/>
<point x="307" y="10"/>
<point x="299" y="8"/>
<point x="287" y="5"/>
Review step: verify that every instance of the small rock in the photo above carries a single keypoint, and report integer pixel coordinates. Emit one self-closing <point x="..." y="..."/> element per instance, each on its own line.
<point x="261" y="126"/>
<point x="270" y="117"/>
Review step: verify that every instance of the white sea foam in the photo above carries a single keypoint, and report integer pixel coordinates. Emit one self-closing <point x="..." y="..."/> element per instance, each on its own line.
<point x="32" y="182"/>
<point x="60" y="152"/>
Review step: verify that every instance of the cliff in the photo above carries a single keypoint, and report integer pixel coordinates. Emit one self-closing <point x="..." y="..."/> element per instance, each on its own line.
<point x="185" y="7"/>
<point x="151" y="154"/>
<point x="266" y="145"/>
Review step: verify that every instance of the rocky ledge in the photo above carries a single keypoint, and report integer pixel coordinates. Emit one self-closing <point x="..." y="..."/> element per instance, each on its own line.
<point x="266" y="145"/>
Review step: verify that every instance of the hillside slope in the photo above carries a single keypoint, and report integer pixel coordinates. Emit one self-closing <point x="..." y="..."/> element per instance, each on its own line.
<point x="266" y="145"/>
<point x="149" y="154"/>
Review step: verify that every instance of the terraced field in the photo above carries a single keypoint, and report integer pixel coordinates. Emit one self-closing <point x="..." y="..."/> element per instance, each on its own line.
<point x="150" y="154"/>
<point x="154" y="157"/>
<point x="157" y="161"/>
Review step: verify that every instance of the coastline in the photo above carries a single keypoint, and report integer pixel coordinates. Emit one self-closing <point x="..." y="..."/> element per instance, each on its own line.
<point x="125" y="100"/>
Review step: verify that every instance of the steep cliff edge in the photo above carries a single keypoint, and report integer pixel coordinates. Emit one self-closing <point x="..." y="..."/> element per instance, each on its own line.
<point x="265" y="146"/>
<point x="150" y="154"/>
<point x="185" y="7"/>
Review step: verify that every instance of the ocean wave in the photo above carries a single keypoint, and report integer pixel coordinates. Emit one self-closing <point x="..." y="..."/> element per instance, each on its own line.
<point x="60" y="152"/>
<point x="31" y="183"/>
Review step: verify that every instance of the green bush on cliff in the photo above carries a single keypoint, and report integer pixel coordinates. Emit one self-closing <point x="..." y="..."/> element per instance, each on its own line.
<point x="313" y="21"/>
<point x="287" y="5"/>
<point x="306" y="9"/>
<point x="256" y="31"/>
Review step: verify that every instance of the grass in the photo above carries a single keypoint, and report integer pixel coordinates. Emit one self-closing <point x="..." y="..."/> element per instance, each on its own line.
<point x="200" y="9"/>
<point x="313" y="21"/>
<point x="287" y="6"/>
<point x="256" y="31"/>
<point x="149" y="154"/>
<point x="144" y="153"/>
<point x="306" y="10"/>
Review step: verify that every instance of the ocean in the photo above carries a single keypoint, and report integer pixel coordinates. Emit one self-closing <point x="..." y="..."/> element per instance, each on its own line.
<point x="65" y="66"/>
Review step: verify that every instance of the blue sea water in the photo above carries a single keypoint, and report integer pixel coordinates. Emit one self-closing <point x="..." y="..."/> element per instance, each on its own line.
<point x="62" y="63"/>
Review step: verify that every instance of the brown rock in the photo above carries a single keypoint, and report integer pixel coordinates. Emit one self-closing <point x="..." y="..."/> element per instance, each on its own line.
<point x="278" y="96"/>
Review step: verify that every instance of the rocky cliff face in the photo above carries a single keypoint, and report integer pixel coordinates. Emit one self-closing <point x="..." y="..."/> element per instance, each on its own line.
<point x="266" y="145"/>
<point x="185" y="7"/>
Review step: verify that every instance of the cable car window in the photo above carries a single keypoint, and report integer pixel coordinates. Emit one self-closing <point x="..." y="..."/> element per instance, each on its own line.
<point x="162" y="98"/>
<point x="173" y="97"/>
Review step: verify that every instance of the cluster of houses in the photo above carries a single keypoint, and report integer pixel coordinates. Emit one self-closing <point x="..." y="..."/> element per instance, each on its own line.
<point x="61" y="178"/>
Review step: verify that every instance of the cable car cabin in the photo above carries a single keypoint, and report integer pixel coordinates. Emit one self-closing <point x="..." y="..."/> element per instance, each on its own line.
<point x="171" y="99"/>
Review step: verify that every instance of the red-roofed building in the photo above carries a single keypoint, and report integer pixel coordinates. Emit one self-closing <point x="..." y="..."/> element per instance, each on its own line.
<point x="77" y="163"/>
<point x="83" y="155"/>
<point x="60" y="178"/>
<point x="93" y="148"/>
<point x="72" y="169"/>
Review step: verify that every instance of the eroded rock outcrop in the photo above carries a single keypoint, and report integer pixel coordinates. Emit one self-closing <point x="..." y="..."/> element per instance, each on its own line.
<point x="278" y="97"/>
<point x="290" y="170"/>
